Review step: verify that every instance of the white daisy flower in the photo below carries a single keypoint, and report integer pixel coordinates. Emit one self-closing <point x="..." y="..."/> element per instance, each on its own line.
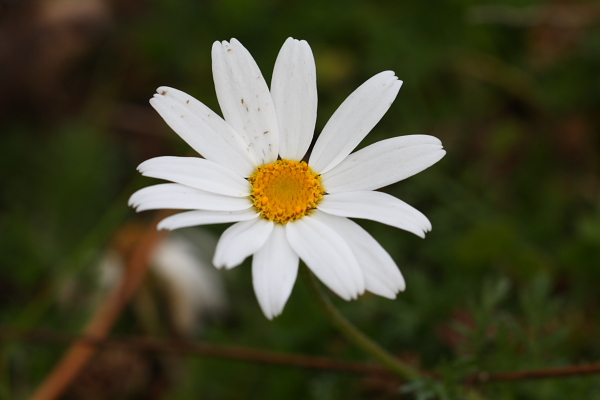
<point x="286" y="209"/>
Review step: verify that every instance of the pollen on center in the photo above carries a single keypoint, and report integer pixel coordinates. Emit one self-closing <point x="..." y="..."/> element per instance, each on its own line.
<point x="285" y="190"/>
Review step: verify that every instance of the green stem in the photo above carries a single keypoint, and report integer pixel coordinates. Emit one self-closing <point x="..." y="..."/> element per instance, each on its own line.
<point x="354" y="335"/>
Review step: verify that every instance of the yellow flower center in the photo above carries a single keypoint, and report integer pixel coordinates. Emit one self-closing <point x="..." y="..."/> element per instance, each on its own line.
<point x="285" y="190"/>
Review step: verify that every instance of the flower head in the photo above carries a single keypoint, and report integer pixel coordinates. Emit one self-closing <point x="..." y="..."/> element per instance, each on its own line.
<point x="286" y="209"/>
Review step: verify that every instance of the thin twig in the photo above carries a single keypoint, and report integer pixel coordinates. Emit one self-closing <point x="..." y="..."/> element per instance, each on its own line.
<point x="543" y="373"/>
<point x="237" y="353"/>
<point x="81" y="352"/>
<point x="198" y="349"/>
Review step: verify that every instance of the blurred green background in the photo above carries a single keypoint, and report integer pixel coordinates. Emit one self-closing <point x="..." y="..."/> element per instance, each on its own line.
<point x="508" y="278"/>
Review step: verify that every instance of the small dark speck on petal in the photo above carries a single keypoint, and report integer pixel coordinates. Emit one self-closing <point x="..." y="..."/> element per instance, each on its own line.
<point x="187" y="102"/>
<point x="243" y="102"/>
<point x="228" y="49"/>
<point x="265" y="132"/>
<point x="259" y="109"/>
<point x="164" y="92"/>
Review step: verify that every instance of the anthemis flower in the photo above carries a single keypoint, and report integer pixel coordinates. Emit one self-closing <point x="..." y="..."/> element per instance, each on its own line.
<point x="253" y="173"/>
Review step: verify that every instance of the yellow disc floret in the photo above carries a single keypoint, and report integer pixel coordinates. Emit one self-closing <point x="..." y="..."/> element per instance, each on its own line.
<point x="285" y="190"/>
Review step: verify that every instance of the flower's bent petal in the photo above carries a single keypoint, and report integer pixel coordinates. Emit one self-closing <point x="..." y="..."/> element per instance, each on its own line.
<point x="203" y="217"/>
<point x="245" y="99"/>
<point x="327" y="255"/>
<point x="376" y="206"/>
<point x="353" y="120"/>
<point x="240" y="241"/>
<point x="384" y="163"/>
<point x="274" y="271"/>
<point x="294" y="92"/>
<point x="198" y="173"/>
<point x="382" y="276"/>
<point x="180" y="197"/>
<point x="216" y="141"/>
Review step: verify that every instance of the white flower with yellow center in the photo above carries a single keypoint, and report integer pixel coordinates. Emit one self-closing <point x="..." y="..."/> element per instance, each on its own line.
<point x="286" y="209"/>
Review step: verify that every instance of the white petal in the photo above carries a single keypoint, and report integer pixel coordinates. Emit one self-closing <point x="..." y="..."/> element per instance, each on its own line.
<point x="353" y="120"/>
<point x="204" y="217"/>
<point x="245" y="99"/>
<point x="294" y="92"/>
<point x="274" y="271"/>
<point x="198" y="173"/>
<point x="376" y="206"/>
<point x="384" y="163"/>
<point x="176" y="196"/>
<point x="327" y="255"/>
<point x="206" y="115"/>
<point x="382" y="276"/>
<point x="223" y="146"/>
<point x="240" y="241"/>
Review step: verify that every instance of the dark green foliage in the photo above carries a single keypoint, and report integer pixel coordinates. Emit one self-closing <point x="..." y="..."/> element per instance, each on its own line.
<point x="508" y="278"/>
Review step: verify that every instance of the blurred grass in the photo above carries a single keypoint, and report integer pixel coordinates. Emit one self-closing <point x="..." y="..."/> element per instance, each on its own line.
<point x="506" y="280"/>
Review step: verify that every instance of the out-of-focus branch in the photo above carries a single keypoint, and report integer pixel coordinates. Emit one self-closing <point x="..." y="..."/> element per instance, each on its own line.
<point x="270" y="357"/>
<point x="197" y="349"/>
<point x="543" y="373"/>
<point x="82" y="351"/>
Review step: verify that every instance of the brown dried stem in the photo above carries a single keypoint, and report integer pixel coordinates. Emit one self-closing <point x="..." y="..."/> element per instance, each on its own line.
<point x="107" y="314"/>
<point x="542" y="373"/>
<point x="273" y="358"/>
<point x="198" y="349"/>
